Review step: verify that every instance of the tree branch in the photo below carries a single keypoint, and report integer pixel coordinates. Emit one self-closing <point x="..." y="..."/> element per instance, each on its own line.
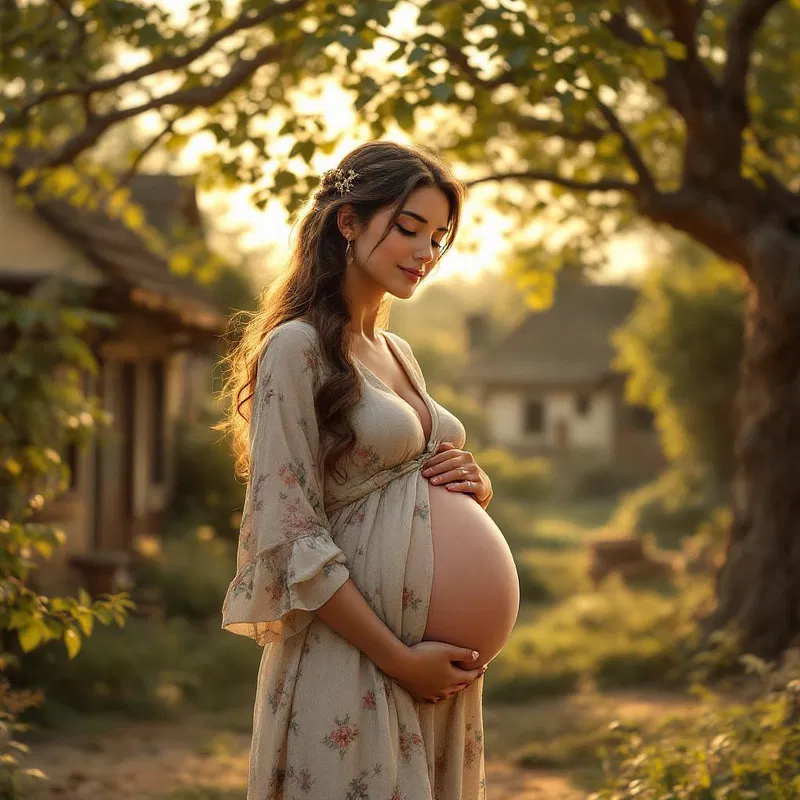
<point x="196" y="97"/>
<point x="685" y="17"/>
<point x="128" y="176"/>
<point x="586" y="133"/>
<point x="608" y="185"/>
<point x="170" y="62"/>
<point x="628" y="147"/>
<point x="688" y="85"/>
<point x="78" y="24"/>
<point x="741" y="34"/>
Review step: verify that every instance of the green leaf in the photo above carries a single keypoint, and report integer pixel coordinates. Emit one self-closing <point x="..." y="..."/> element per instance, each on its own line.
<point x="283" y="179"/>
<point x="32" y="635"/>
<point x="676" y="50"/>
<point x="652" y="63"/>
<point x="73" y="643"/>
<point x="397" y="53"/>
<point x="86" y="620"/>
<point x="442" y="92"/>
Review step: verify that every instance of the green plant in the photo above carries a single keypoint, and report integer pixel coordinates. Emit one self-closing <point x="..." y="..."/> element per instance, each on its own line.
<point x="206" y="489"/>
<point x="737" y="751"/>
<point x="43" y="408"/>
<point x="514" y="477"/>
<point x="146" y="671"/>
<point x="616" y="637"/>
<point x="671" y="507"/>
<point x="188" y="571"/>
<point x="15" y="780"/>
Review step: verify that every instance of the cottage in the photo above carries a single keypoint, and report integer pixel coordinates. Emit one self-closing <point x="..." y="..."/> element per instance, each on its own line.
<point x="549" y="387"/>
<point x="149" y="364"/>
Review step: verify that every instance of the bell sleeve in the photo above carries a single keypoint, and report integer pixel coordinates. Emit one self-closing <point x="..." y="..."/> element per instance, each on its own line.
<point x="287" y="564"/>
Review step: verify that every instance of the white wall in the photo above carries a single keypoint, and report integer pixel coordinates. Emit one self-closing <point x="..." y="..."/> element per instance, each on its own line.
<point x="29" y="246"/>
<point x="592" y="431"/>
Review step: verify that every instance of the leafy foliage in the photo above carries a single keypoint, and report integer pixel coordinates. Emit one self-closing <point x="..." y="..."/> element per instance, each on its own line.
<point x="681" y="349"/>
<point x="43" y="408"/>
<point x="742" y="750"/>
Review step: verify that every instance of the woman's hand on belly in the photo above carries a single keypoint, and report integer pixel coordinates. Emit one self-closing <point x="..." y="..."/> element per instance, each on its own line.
<point x="428" y="673"/>
<point x="458" y="471"/>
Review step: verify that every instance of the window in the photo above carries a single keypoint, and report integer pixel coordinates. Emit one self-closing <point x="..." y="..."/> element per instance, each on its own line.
<point x="534" y="416"/>
<point x="641" y="418"/>
<point x="583" y="403"/>
<point x="71" y="460"/>
<point x="157" y="381"/>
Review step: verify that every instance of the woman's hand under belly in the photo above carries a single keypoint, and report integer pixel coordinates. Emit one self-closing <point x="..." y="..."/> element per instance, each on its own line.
<point x="475" y="595"/>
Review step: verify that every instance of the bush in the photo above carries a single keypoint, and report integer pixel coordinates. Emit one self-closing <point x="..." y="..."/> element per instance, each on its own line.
<point x="586" y="478"/>
<point x="515" y="477"/>
<point x="206" y="488"/>
<point x="681" y="349"/>
<point x="670" y="507"/>
<point x="188" y="572"/>
<point x="617" y="637"/>
<point x="146" y="671"/>
<point x="733" y="751"/>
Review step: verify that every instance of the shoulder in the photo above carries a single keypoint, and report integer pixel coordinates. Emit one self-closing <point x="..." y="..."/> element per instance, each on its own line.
<point x="291" y="337"/>
<point x="292" y="347"/>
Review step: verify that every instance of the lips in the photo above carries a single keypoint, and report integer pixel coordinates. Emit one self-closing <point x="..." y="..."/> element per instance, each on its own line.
<point x="412" y="272"/>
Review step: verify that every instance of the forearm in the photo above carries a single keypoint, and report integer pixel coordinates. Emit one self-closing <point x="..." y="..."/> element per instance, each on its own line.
<point x="349" y="614"/>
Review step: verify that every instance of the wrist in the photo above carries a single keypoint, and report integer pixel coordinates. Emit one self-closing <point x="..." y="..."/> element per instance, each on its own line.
<point x="394" y="658"/>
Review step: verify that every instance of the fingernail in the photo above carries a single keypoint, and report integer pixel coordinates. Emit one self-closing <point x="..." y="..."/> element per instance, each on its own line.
<point x="475" y="655"/>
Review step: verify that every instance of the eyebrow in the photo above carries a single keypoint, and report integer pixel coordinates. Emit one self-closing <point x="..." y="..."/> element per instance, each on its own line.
<point x="421" y="219"/>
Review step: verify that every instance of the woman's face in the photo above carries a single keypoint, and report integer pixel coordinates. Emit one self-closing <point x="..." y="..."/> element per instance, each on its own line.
<point x="411" y="248"/>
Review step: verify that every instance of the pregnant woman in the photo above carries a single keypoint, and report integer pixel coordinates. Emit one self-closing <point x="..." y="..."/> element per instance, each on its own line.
<point x="367" y="565"/>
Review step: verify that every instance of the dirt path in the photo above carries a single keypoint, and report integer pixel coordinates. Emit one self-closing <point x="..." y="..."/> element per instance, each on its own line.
<point x="155" y="760"/>
<point x="149" y="760"/>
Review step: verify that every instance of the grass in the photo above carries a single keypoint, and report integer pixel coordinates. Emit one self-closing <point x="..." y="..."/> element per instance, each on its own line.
<point x="567" y="733"/>
<point x="568" y="633"/>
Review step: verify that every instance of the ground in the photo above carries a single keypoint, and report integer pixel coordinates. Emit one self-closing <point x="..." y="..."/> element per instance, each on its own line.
<point x="191" y="758"/>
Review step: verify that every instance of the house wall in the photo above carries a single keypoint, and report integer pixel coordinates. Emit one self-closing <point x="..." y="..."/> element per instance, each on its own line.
<point x="31" y="247"/>
<point x="75" y="512"/>
<point x="634" y="445"/>
<point x="593" y="431"/>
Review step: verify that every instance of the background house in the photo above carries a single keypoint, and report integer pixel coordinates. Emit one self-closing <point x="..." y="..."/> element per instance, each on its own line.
<point x="152" y="364"/>
<point x="548" y="387"/>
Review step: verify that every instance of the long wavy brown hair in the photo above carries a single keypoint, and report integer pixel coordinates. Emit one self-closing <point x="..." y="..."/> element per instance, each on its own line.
<point x="311" y="287"/>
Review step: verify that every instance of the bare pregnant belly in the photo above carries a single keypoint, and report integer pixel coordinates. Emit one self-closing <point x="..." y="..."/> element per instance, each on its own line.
<point x="475" y="595"/>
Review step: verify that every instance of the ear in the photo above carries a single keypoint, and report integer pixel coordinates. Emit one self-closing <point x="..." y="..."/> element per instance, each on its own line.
<point x="347" y="221"/>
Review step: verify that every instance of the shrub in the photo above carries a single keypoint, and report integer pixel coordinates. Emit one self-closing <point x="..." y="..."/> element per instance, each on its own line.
<point x="146" y="671"/>
<point x="189" y="572"/>
<point x="206" y="488"/>
<point x="587" y="477"/>
<point x="681" y="349"/>
<point x="747" y="750"/>
<point x="515" y="477"/>
<point x="670" y="507"/>
<point x="617" y="637"/>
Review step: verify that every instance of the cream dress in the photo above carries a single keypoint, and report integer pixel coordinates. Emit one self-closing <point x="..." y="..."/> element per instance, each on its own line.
<point x="328" y="724"/>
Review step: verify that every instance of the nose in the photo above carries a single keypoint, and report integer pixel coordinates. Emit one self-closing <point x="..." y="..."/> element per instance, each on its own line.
<point x="425" y="254"/>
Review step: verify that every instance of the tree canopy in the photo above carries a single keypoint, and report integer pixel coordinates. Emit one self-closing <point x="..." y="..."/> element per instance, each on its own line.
<point x="600" y="114"/>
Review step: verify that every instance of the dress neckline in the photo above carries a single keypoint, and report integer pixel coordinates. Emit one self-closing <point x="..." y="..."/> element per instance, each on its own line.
<point x="412" y="377"/>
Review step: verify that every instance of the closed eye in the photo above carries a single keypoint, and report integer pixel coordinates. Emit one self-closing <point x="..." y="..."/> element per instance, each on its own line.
<point x="406" y="232"/>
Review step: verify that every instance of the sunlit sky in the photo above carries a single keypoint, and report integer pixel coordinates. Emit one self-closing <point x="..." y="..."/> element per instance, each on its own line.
<point x="483" y="242"/>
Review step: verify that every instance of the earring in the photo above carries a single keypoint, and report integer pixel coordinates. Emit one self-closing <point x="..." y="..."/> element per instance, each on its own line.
<point x="348" y="253"/>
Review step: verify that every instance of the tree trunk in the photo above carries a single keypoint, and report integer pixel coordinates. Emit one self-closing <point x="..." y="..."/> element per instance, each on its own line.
<point x="758" y="587"/>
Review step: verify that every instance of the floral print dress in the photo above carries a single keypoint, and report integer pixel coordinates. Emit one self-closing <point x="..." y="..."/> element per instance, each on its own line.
<point x="328" y="724"/>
